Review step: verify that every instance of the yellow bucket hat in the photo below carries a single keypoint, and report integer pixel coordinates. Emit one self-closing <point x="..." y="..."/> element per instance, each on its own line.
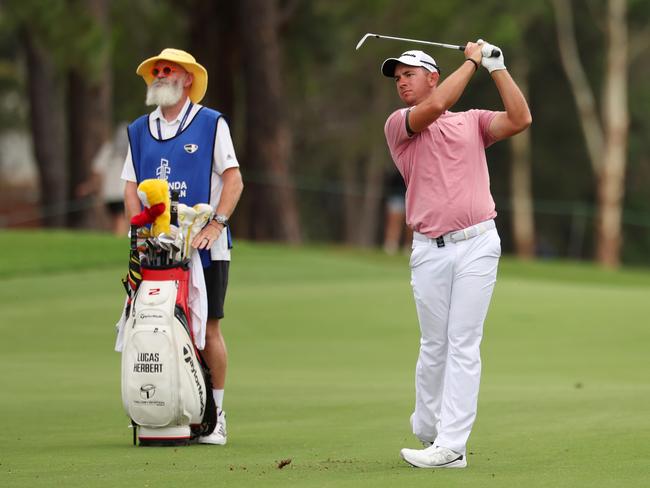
<point x="187" y="61"/>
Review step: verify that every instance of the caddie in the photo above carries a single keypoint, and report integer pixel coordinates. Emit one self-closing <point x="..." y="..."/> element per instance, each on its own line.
<point x="189" y="145"/>
<point x="456" y="247"/>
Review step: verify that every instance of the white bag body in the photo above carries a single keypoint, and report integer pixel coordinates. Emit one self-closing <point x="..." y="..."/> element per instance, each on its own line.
<point x="163" y="387"/>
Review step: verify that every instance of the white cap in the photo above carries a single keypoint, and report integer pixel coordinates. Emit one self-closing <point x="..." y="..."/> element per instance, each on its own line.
<point x="410" y="58"/>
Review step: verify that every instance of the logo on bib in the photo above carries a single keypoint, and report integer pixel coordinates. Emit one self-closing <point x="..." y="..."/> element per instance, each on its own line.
<point x="190" y="148"/>
<point x="163" y="171"/>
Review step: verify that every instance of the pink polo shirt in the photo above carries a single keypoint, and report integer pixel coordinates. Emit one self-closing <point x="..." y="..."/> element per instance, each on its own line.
<point x="445" y="170"/>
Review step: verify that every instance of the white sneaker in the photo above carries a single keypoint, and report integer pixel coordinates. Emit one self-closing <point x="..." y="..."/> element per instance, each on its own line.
<point x="433" y="457"/>
<point x="219" y="436"/>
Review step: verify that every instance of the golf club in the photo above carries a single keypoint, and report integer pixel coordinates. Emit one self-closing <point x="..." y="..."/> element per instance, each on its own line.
<point x="494" y="54"/>
<point x="165" y="242"/>
<point x="173" y="209"/>
<point x="151" y="251"/>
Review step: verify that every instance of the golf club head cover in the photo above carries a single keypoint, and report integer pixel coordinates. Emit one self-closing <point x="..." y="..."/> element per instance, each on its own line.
<point x="148" y="215"/>
<point x="155" y="193"/>
<point x="186" y="216"/>
<point x="204" y="213"/>
<point x="491" y="64"/>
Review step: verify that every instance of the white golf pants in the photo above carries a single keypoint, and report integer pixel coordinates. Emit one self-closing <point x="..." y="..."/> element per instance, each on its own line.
<point x="452" y="287"/>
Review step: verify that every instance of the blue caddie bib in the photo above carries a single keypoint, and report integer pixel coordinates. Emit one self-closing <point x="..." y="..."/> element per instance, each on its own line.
<point x="185" y="160"/>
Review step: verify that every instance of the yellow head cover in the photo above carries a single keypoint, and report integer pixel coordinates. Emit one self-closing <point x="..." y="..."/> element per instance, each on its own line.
<point x="152" y="193"/>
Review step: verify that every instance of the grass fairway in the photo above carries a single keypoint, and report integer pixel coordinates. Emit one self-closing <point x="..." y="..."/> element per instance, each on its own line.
<point x="323" y="343"/>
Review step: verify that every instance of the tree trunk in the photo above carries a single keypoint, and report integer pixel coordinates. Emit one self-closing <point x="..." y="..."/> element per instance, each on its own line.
<point x="363" y="166"/>
<point x="351" y="197"/>
<point x="368" y="224"/>
<point x="274" y="211"/>
<point x="89" y="116"/>
<point x="611" y="180"/>
<point x="214" y="44"/>
<point x="47" y="123"/>
<point x="376" y="164"/>
<point x="606" y="143"/>
<point x="582" y="91"/>
<point x="523" y="217"/>
<point x="362" y="178"/>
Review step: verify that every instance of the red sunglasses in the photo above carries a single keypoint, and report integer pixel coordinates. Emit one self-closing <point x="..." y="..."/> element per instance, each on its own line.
<point x="165" y="70"/>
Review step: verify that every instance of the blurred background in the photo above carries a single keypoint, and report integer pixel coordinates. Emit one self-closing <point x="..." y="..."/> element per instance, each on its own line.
<point x="307" y="113"/>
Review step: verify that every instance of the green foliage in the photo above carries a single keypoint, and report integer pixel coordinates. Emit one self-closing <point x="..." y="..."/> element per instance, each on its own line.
<point x="338" y="101"/>
<point x="64" y="27"/>
<point x="322" y="345"/>
<point x="140" y="30"/>
<point x="133" y="31"/>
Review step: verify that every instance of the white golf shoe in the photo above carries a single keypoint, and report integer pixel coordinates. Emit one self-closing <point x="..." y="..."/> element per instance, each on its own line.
<point x="219" y="436"/>
<point x="434" y="457"/>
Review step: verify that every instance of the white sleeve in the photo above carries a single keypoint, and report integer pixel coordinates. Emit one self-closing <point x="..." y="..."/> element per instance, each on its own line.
<point x="128" y="172"/>
<point x="224" y="151"/>
<point x="102" y="158"/>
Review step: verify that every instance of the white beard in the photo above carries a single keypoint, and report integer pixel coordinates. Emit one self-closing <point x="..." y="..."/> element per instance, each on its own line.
<point x="164" y="93"/>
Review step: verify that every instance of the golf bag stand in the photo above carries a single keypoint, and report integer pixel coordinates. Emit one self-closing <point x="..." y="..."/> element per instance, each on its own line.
<point x="166" y="386"/>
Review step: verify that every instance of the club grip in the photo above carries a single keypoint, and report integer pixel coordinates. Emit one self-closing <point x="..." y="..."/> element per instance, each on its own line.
<point x="134" y="237"/>
<point x="494" y="54"/>
<point x="173" y="210"/>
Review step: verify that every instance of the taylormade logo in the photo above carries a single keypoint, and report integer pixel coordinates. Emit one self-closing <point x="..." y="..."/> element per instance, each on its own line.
<point x="150" y="316"/>
<point x="147" y="391"/>
<point x="190" y="360"/>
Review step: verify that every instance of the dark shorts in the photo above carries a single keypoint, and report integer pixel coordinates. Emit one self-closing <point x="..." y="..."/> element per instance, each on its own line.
<point x="115" y="208"/>
<point x="216" y="282"/>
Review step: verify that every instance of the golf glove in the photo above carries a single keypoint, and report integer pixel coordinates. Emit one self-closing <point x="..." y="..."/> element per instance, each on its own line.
<point x="491" y="64"/>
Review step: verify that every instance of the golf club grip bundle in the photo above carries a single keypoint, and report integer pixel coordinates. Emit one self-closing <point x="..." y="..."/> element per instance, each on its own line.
<point x="165" y="381"/>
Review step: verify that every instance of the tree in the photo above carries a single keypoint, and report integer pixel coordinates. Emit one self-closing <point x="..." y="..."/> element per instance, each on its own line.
<point x="214" y="41"/>
<point x="521" y="193"/>
<point x="89" y="101"/>
<point x="348" y="102"/>
<point x="272" y="210"/>
<point x="47" y="124"/>
<point x="606" y="136"/>
<point x="67" y="55"/>
<point x="509" y="27"/>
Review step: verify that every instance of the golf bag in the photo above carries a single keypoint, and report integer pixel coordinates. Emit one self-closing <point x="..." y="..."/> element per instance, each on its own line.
<point x="166" y="386"/>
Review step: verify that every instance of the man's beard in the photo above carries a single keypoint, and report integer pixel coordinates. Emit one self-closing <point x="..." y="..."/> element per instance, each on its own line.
<point x="164" y="93"/>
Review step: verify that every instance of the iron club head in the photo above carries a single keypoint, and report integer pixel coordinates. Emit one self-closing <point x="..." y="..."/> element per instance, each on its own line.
<point x="363" y="39"/>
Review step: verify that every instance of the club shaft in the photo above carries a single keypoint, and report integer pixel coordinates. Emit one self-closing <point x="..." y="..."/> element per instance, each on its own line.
<point x="494" y="54"/>
<point x="417" y="41"/>
<point x="134" y="237"/>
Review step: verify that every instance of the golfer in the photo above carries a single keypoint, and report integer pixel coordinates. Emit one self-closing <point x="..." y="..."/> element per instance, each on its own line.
<point x="456" y="247"/>
<point x="190" y="146"/>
